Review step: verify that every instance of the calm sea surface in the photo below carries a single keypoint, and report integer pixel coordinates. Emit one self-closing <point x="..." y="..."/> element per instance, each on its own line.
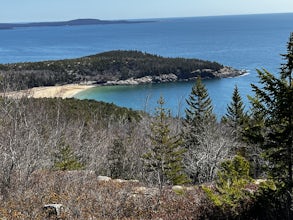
<point x="244" y="42"/>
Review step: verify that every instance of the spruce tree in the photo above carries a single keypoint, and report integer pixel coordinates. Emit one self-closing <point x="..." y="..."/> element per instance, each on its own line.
<point x="234" y="121"/>
<point x="165" y="156"/>
<point x="274" y="102"/>
<point x="200" y="106"/>
<point x="198" y="113"/>
<point x="235" y="115"/>
<point x="199" y="118"/>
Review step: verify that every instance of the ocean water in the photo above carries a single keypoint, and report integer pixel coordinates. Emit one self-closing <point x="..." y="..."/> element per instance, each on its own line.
<point x="245" y="42"/>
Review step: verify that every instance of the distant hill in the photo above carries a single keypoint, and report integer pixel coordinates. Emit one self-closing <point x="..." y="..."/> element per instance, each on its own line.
<point x="114" y="67"/>
<point x="67" y="23"/>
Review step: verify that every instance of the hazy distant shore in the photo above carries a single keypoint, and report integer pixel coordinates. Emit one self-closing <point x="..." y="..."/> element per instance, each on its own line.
<point x="76" y="22"/>
<point x="64" y="91"/>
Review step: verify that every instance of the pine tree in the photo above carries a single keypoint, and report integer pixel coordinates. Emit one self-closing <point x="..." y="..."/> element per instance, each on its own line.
<point x="165" y="155"/>
<point x="274" y="102"/>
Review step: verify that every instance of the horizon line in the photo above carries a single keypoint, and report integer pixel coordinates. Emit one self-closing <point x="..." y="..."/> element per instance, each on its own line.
<point x="140" y="19"/>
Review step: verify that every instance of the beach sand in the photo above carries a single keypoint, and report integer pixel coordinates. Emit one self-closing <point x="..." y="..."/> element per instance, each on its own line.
<point x="65" y="91"/>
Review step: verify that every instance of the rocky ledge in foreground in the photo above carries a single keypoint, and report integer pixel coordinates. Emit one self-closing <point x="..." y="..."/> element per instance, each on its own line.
<point x="113" y="68"/>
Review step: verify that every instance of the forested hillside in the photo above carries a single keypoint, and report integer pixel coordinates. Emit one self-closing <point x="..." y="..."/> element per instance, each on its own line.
<point x="109" y="66"/>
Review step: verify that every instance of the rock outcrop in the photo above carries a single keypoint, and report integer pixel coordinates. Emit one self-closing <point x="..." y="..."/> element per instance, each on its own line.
<point x="225" y="72"/>
<point x="146" y="79"/>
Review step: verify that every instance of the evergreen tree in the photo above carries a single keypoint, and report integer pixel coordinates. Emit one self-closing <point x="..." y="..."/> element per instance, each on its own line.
<point x="232" y="178"/>
<point x="234" y="121"/>
<point x="232" y="194"/>
<point x="66" y="160"/>
<point x="200" y="106"/>
<point x="166" y="155"/>
<point x="198" y="113"/>
<point x="235" y="115"/>
<point x="199" y="118"/>
<point x="274" y="102"/>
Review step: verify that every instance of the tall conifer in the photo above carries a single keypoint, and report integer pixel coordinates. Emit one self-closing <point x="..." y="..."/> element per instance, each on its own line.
<point x="198" y="113"/>
<point x="235" y="115"/>
<point x="200" y="106"/>
<point x="274" y="102"/>
<point x="199" y="118"/>
<point x="165" y="157"/>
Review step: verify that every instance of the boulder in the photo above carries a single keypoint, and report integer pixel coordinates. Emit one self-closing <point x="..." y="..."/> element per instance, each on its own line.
<point x="177" y="188"/>
<point x="53" y="210"/>
<point x="104" y="178"/>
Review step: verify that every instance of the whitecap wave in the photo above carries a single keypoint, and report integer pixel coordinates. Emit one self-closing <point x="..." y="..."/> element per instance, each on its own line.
<point x="246" y="72"/>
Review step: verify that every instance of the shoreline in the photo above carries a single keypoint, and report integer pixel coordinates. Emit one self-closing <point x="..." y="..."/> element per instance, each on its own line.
<point x="64" y="91"/>
<point x="70" y="90"/>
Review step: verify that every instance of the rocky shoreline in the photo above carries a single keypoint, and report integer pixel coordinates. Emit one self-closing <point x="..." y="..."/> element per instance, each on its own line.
<point x="225" y="72"/>
<point x="70" y="90"/>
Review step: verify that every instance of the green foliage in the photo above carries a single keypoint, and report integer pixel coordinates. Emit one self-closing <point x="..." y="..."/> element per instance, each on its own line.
<point x="235" y="115"/>
<point x="198" y="113"/>
<point x="236" y="193"/>
<point x="235" y="120"/>
<point x="272" y="119"/>
<point x="166" y="155"/>
<point x="87" y="110"/>
<point x="200" y="106"/>
<point x="275" y="103"/>
<point x="230" y="184"/>
<point x="254" y="127"/>
<point x="66" y="160"/>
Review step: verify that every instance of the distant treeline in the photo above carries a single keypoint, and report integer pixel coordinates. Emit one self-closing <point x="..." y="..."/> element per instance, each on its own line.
<point x="103" y="67"/>
<point x="85" y="110"/>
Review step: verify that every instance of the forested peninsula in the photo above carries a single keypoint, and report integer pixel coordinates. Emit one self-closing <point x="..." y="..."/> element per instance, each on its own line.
<point x="112" y="68"/>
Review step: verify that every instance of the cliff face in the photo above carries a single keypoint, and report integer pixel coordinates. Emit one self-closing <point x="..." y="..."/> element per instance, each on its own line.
<point x="114" y="67"/>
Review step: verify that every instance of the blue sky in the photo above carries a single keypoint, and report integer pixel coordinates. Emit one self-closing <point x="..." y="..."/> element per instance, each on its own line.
<point x="57" y="10"/>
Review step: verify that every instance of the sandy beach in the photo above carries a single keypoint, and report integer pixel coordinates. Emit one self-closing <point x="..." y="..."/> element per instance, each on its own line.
<point x="65" y="91"/>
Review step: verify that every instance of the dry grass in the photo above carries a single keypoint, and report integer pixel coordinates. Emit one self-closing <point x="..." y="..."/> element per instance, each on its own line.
<point x="87" y="198"/>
